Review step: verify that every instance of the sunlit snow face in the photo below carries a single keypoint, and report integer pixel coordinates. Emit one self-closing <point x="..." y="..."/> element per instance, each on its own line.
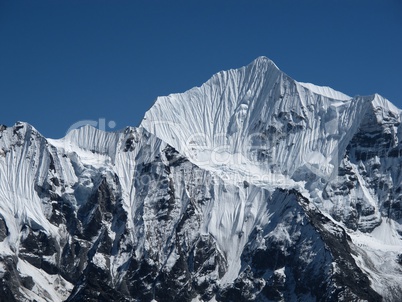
<point x="101" y="124"/>
<point x="254" y="155"/>
<point x="259" y="154"/>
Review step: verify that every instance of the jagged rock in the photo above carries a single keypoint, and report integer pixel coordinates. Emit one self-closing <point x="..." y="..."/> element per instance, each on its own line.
<point x="3" y="229"/>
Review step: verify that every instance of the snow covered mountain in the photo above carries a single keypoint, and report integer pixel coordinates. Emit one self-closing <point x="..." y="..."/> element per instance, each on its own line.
<point x="252" y="187"/>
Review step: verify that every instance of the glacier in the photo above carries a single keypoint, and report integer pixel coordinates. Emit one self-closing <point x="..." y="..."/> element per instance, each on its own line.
<point x="251" y="187"/>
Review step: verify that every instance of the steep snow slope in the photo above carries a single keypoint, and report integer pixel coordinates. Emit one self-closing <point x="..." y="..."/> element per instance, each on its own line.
<point x="46" y="190"/>
<point x="258" y="119"/>
<point x="326" y="91"/>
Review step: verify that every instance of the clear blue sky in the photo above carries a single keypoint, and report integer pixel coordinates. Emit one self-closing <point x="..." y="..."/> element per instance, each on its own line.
<point x="69" y="60"/>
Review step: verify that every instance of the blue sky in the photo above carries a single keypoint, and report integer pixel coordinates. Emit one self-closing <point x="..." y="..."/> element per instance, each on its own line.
<point x="66" y="61"/>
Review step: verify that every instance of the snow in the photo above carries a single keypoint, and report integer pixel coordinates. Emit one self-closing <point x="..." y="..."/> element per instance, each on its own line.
<point x="21" y="169"/>
<point x="47" y="287"/>
<point x="246" y="132"/>
<point x="240" y="123"/>
<point x="223" y="126"/>
<point x="387" y="233"/>
<point x="2" y="270"/>
<point x="100" y="261"/>
<point x="385" y="105"/>
<point x="377" y="254"/>
<point x="326" y="91"/>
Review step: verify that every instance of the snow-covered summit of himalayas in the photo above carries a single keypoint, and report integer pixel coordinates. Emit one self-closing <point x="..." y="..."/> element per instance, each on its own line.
<point x="251" y="187"/>
<point x="258" y="120"/>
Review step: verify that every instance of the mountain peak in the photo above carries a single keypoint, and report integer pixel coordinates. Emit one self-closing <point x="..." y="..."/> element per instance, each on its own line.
<point x="263" y="60"/>
<point x="262" y="65"/>
<point x="217" y="124"/>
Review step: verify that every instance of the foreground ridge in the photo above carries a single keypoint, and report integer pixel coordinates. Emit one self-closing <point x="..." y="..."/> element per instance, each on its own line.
<point x="251" y="187"/>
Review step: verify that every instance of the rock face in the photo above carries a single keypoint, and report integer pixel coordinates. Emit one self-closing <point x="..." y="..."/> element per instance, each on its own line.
<point x="252" y="187"/>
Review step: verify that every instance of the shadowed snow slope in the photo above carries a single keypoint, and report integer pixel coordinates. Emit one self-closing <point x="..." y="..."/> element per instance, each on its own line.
<point x="252" y="187"/>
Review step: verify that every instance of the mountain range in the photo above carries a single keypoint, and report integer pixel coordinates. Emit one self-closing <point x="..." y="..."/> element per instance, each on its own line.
<point x="251" y="187"/>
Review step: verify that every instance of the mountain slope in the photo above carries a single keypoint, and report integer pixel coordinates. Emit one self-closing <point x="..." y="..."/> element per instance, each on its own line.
<point x="340" y="152"/>
<point x="252" y="187"/>
<point x="257" y="117"/>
